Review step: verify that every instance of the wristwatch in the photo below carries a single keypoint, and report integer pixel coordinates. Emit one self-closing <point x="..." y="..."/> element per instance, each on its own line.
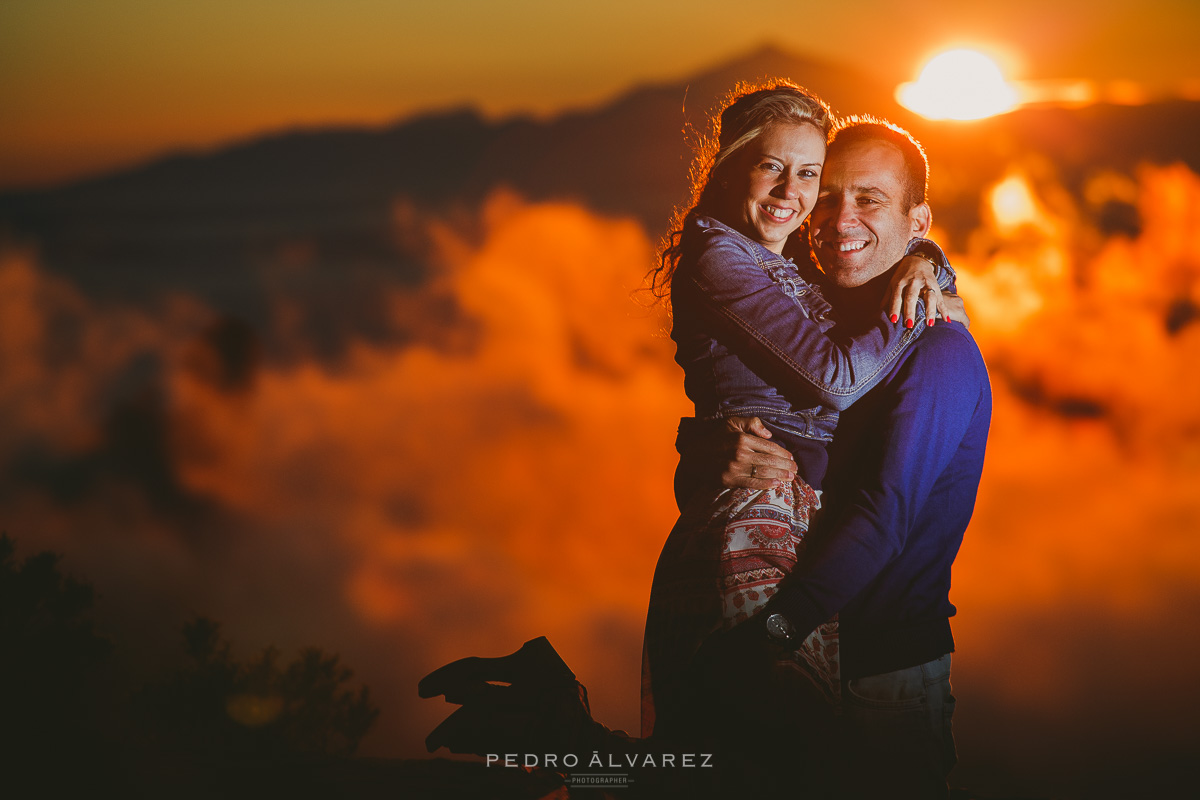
<point x="928" y="250"/>
<point x="925" y="255"/>
<point x="779" y="629"/>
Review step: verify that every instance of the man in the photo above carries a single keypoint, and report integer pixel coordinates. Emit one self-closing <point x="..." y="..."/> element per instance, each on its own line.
<point x="905" y="468"/>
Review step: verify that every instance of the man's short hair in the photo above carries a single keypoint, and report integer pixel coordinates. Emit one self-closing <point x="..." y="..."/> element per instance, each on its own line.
<point x="868" y="128"/>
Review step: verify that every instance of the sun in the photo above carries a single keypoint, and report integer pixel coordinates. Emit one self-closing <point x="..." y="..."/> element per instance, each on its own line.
<point x="958" y="84"/>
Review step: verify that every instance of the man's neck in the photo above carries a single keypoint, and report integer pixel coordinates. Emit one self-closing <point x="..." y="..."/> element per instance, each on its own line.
<point x="859" y="304"/>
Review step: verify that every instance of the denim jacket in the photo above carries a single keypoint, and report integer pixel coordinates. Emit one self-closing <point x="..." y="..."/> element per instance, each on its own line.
<point x="756" y="339"/>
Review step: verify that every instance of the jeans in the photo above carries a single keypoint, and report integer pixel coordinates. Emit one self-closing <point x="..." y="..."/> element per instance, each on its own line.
<point x="897" y="737"/>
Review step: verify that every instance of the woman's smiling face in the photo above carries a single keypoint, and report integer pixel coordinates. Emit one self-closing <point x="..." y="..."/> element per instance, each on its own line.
<point x="772" y="183"/>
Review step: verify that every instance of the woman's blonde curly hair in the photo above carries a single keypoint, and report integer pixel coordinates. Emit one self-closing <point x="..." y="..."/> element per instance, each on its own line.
<point x="745" y="114"/>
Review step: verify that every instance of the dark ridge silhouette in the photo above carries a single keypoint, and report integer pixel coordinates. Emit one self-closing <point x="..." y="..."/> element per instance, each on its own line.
<point x="320" y="206"/>
<point x="320" y="214"/>
<point x="209" y="222"/>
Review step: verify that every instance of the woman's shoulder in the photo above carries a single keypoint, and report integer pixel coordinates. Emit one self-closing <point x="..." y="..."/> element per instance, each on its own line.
<point x="707" y="238"/>
<point x="712" y="228"/>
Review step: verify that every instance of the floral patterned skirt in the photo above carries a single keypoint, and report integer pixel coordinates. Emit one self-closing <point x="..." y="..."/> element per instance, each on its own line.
<point x="722" y="562"/>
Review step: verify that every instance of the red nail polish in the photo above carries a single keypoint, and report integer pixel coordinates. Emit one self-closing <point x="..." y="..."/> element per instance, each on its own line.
<point x="895" y="317"/>
<point x="908" y="323"/>
<point x="947" y="318"/>
<point x="929" y="322"/>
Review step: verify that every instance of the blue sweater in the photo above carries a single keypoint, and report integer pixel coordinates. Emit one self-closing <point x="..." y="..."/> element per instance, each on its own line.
<point x="905" y="468"/>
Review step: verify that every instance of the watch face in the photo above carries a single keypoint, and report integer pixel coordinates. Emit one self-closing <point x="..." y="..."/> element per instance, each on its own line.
<point x="778" y="626"/>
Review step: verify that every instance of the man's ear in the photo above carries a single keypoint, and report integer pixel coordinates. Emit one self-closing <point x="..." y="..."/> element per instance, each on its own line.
<point x="921" y="217"/>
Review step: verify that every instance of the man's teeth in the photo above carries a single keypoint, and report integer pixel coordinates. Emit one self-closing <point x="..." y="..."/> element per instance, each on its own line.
<point x="846" y="247"/>
<point x="779" y="213"/>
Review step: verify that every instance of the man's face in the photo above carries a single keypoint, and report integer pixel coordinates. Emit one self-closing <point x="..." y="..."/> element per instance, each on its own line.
<point x="859" y="227"/>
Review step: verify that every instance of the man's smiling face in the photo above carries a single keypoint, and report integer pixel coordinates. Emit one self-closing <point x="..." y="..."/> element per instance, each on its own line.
<point x="860" y="228"/>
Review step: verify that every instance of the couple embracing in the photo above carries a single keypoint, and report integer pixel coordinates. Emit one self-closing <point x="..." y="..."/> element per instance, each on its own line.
<point x="799" y="617"/>
<point x="798" y="628"/>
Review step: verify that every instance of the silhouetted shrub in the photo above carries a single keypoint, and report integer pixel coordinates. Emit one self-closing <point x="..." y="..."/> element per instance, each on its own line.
<point x="49" y="659"/>
<point x="217" y="708"/>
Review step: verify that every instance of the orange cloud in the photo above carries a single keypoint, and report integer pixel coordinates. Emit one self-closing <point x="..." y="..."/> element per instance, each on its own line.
<point x="477" y="487"/>
<point x="1080" y="571"/>
<point x="506" y="471"/>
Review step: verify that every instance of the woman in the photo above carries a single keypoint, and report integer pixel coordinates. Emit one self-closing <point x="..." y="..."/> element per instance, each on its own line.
<point x="756" y="339"/>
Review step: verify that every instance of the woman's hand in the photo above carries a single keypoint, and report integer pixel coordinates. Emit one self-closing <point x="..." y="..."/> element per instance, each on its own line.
<point x="754" y="463"/>
<point x="914" y="279"/>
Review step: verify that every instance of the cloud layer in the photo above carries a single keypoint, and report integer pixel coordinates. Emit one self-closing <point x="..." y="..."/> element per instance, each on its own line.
<point x="505" y="472"/>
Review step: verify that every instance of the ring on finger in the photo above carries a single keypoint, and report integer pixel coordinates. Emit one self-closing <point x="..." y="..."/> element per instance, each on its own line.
<point x="754" y="470"/>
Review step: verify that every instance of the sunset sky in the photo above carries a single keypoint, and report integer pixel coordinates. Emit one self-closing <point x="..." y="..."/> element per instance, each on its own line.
<point x="484" y="453"/>
<point x="86" y="85"/>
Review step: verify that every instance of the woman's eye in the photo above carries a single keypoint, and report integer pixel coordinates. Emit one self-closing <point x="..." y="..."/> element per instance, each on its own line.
<point x="808" y="173"/>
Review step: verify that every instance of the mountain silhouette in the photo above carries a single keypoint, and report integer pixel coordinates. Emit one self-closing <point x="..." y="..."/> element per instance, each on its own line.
<point x="214" y="223"/>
